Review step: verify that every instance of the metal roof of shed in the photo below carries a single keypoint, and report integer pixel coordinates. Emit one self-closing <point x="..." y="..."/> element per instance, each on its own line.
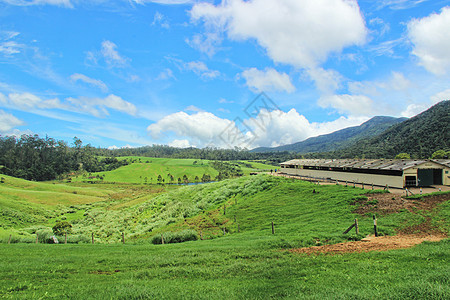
<point x="374" y="164"/>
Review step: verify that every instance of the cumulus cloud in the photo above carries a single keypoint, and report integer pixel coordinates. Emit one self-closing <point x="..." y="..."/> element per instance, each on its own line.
<point x="278" y="128"/>
<point x="180" y="144"/>
<point x="200" y="127"/>
<point x="414" y="109"/>
<point x="8" y="122"/>
<point x="431" y="39"/>
<point x="300" y="33"/>
<point x="438" y="97"/>
<point x="94" y="106"/>
<point x="348" y="104"/>
<point x="94" y="82"/>
<point x="267" y="80"/>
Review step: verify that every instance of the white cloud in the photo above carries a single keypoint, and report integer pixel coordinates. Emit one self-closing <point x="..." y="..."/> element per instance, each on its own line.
<point x="193" y="108"/>
<point x="109" y="54"/>
<point x="225" y="101"/>
<point x="94" y="82"/>
<point x="160" y="19"/>
<point x="414" y="109"/>
<point x="95" y="106"/>
<point x="348" y="104"/>
<point x="98" y="106"/>
<point x="28" y="101"/>
<point x="206" y="42"/>
<point x="300" y="33"/>
<point x="279" y="128"/>
<point x="64" y="3"/>
<point x="8" y="46"/>
<point x="438" y="97"/>
<point x="399" y="4"/>
<point x="8" y="122"/>
<point x="283" y="128"/>
<point x="267" y="80"/>
<point x="327" y="81"/>
<point x="180" y="144"/>
<point x="167" y="2"/>
<point x="200" y="68"/>
<point x="431" y="38"/>
<point x="200" y="127"/>
<point x="165" y="75"/>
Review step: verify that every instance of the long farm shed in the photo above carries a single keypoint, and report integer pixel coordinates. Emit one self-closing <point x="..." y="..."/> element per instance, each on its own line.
<point x="392" y="172"/>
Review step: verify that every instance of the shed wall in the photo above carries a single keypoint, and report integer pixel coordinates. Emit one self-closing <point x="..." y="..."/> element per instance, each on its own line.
<point x="392" y="181"/>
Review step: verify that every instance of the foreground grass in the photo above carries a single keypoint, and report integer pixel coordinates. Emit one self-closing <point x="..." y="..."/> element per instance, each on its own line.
<point x="228" y="268"/>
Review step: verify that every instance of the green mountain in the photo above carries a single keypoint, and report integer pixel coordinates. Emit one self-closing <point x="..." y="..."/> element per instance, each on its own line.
<point x="338" y="139"/>
<point x="419" y="136"/>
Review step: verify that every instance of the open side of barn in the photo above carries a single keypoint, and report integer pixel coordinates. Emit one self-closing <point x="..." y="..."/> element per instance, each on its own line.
<point x="391" y="172"/>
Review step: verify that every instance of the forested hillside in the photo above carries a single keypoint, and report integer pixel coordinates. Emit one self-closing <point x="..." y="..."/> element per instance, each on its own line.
<point x="419" y="136"/>
<point x="338" y="139"/>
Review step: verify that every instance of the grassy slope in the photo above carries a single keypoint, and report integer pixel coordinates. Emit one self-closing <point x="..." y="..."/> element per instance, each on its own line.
<point x="138" y="171"/>
<point x="250" y="264"/>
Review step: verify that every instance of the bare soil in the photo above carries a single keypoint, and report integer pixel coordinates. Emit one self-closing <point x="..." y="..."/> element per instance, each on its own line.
<point x="371" y="243"/>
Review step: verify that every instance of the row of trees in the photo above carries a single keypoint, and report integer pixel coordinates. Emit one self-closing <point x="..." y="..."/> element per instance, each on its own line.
<point x="34" y="158"/>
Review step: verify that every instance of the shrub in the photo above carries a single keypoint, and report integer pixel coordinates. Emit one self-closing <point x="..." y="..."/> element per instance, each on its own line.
<point x="175" y="237"/>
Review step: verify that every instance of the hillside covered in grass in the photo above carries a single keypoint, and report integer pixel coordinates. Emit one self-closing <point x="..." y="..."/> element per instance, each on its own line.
<point x="239" y="256"/>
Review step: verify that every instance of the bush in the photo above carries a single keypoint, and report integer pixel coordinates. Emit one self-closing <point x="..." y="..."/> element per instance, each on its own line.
<point x="175" y="237"/>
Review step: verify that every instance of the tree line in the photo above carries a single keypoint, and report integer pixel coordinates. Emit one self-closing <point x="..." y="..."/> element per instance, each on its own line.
<point x="33" y="158"/>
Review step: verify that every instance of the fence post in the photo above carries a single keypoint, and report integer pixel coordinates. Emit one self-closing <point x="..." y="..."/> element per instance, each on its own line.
<point x="9" y="241"/>
<point x="224" y="231"/>
<point x="273" y="228"/>
<point x="363" y="185"/>
<point x="372" y="186"/>
<point x="123" y="238"/>
<point x="92" y="236"/>
<point x="375" y="225"/>
<point x="162" y="239"/>
<point x="356" y="226"/>
<point x="37" y="238"/>
<point x="65" y="238"/>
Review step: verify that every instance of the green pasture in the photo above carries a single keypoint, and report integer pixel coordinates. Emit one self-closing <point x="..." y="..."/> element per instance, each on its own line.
<point x="250" y="264"/>
<point x="228" y="268"/>
<point x="145" y="170"/>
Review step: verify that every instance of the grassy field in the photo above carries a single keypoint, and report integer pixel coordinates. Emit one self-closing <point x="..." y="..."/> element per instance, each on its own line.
<point x="229" y="268"/>
<point x="145" y="170"/>
<point x="227" y="264"/>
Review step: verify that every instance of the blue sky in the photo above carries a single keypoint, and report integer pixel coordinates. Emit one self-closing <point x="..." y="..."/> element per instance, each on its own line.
<point x="216" y="73"/>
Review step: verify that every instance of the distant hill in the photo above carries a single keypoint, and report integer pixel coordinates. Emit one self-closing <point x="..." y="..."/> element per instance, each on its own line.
<point x="338" y="139"/>
<point x="419" y="136"/>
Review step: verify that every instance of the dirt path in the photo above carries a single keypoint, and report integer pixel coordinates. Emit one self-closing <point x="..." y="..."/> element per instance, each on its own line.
<point x="371" y="243"/>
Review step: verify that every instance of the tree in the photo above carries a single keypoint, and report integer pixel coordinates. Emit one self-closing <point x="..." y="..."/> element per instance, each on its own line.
<point x="62" y="227"/>
<point x="440" y="154"/>
<point x="403" y="156"/>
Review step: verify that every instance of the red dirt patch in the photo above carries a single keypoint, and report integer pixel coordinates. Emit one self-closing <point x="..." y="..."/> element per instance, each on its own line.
<point x="382" y="243"/>
<point x="393" y="203"/>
